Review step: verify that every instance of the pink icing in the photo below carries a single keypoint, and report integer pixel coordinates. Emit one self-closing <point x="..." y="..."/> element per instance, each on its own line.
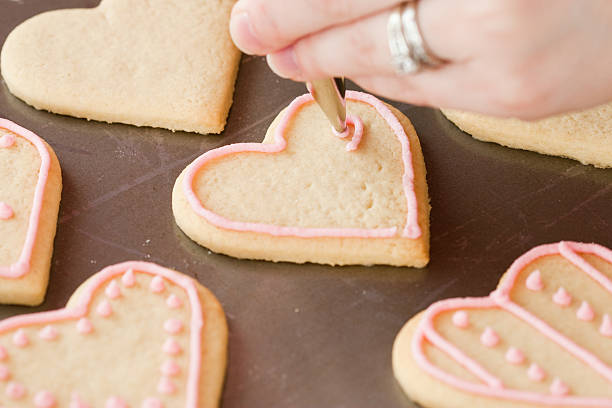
<point x="44" y="399"/>
<point x="501" y="299"/>
<point x="7" y="141"/>
<point x="104" y="308"/>
<point x="112" y="290"/>
<point x="97" y="281"/>
<point x="3" y="353"/>
<point x="76" y="402"/>
<point x="6" y="211"/>
<point x="534" y="281"/>
<point x="173" y="326"/>
<point x="152" y="403"/>
<point x="128" y="278"/>
<point x="174" y="302"/>
<point x="15" y="390"/>
<point x="357" y="132"/>
<point x="461" y="319"/>
<point x="562" y="298"/>
<point x="115" y="402"/>
<point x="535" y="373"/>
<point x="170" y="368"/>
<point x="515" y="356"/>
<point x="489" y="338"/>
<point x="157" y="284"/>
<point x="585" y="312"/>
<point x="48" y="333"/>
<point x="172" y="347"/>
<point x="411" y="229"/>
<point x="84" y="326"/>
<point x="166" y="386"/>
<point x="22" y="265"/>
<point x="606" y="326"/>
<point x="4" y="372"/>
<point x="559" y="388"/>
<point x="20" y="338"/>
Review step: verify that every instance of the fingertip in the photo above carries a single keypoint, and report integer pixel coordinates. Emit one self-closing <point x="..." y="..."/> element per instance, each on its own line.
<point x="284" y="64"/>
<point x="243" y="34"/>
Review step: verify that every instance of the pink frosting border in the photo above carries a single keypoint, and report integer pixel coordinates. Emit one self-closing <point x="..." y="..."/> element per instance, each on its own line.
<point x="22" y="265"/>
<point x="81" y="310"/>
<point x="411" y="229"/>
<point x="500" y="299"/>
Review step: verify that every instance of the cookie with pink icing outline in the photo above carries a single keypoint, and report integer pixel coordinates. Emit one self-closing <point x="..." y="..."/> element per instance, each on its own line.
<point x="133" y="335"/>
<point x="306" y="194"/>
<point x="30" y="190"/>
<point x="543" y="338"/>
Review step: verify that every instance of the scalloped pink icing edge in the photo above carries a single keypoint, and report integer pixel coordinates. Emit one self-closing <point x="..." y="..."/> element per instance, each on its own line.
<point x="110" y="272"/>
<point x="411" y="229"/>
<point x="500" y="299"/>
<point x="22" y="265"/>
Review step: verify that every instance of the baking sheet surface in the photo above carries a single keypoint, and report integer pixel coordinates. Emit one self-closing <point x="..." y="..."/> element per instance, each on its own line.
<point x="303" y="336"/>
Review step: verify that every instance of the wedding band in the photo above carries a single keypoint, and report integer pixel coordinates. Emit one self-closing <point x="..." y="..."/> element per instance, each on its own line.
<point x="408" y="49"/>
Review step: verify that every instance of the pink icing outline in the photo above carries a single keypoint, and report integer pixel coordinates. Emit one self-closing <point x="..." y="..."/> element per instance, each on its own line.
<point x="97" y="281"/>
<point x="500" y="299"/>
<point x="411" y="229"/>
<point x="22" y="266"/>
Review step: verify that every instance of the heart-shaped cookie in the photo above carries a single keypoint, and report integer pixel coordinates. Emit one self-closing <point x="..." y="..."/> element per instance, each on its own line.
<point x="542" y="339"/>
<point x="306" y="195"/>
<point x="160" y="63"/>
<point x="583" y="136"/>
<point x="133" y="335"/>
<point x="30" y="190"/>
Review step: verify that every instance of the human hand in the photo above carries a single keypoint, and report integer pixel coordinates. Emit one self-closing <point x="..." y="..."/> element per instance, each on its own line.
<point x="521" y="58"/>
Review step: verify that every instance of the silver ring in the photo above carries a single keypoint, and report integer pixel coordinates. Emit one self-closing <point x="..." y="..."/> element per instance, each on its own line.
<point x="408" y="49"/>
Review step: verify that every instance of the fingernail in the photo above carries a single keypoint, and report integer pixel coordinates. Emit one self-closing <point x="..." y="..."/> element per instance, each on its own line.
<point x="243" y="35"/>
<point x="284" y="64"/>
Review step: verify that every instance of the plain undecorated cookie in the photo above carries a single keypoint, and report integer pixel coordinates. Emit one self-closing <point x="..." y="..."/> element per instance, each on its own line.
<point x="133" y="335"/>
<point x="30" y="191"/>
<point x="542" y="339"/>
<point x="584" y="136"/>
<point x="306" y="195"/>
<point x="160" y="63"/>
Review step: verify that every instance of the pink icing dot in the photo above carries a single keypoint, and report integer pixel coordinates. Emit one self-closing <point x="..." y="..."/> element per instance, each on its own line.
<point x="112" y="290"/>
<point x="115" y="402"/>
<point x="157" y="284"/>
<point x="515" y="356"/>
<point x="174" y="302"/>
<point x="6" y="211"/>
<point x="535" y="373"/>
<point x="166" y="386"/>
<point x="170" y="368"/>
<point x="7" y="141"/>
<point x="44" y="399"/>
<point x="14" y="390"/>
<point x="489" y="338"/>
<point x="585" y="312"/>
<point x="171" y="347"/>
<point x="559" y="388"/>
<point x="152" y="403"/>
<point x="4" y="372"/>
<point x="534" y="281"/>
<point x="128" y="278"/>
<point x="606" y="326"/>
<point x="104" y="309"/>
<point x="461" y="319"/>
<point x="3" y="353"/>
<point x="84" y="326"/>
<point x="20" y="339"/>
<point x="77" y="402"/>
<point x="173" y="326"/>
<point x="48" y="333"/>
<point x="562" y="298"/>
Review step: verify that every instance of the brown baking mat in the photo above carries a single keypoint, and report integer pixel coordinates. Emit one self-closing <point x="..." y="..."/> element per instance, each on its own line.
<point x="303" y="336"/>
